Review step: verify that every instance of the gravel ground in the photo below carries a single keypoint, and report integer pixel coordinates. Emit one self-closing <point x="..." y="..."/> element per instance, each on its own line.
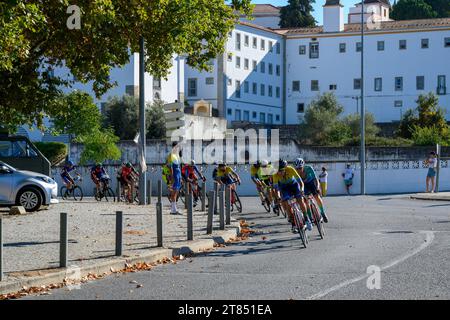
<point x="31" y="241"/>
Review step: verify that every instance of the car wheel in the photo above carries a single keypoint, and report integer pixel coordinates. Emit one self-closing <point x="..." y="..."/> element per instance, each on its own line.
<point x="30" y="199"/>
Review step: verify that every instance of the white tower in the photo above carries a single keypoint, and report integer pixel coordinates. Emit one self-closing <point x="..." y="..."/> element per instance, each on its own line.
<point x="333" y="16"/>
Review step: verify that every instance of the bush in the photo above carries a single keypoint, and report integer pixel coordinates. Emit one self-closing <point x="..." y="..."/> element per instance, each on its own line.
<point x="55" y="152"/>
<point x="99" y="146"/>
<point x="430" y="136"/>
<point x="379" y="142"/>
<point x="155" y="121"/>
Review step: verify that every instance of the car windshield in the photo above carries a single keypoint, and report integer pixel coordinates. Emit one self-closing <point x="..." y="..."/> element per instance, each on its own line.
<point x="6" y="165"/>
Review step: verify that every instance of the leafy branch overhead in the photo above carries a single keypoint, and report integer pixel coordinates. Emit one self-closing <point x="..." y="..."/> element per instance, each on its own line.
<point x="34" y="40"/>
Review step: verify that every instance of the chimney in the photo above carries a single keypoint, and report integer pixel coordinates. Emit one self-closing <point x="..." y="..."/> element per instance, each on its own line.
<point x="333" y="16"/>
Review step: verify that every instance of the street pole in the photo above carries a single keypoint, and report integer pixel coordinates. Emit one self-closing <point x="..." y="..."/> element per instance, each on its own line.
<point x="362" y="152"/>
<point x="142" y="172"/>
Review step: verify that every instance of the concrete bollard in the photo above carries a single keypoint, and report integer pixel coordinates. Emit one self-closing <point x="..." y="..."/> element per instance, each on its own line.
<point x="119" y="197"/>
<point x="216" y="190"/>
<point x="190" y="227"/>
<point x="1" y="249"/>
<point x="221" y="209"/>
<point x="204" y="196"/>
<point x="159" y="221"/>
<point x="119" y="233"/>
<point x="186" y="194"/>
<point x="63" y="240"/>
<point x="227" y="206"/>
<point x="211" y="207"/>
<point x="149" y="191"/>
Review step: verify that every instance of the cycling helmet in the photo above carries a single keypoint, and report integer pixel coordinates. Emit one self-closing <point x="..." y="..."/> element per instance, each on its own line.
<point x="282" y="164"/>
<point x="70" y="163"/>
<point x="193" y="163"/>
<point x="264" y="163"/>
<point x="299" y="163"/>
<point x="128" y="165"/>
<point x="98" y="164"/>
<point x="258" y="163"/>
<point x="222" y="164"/>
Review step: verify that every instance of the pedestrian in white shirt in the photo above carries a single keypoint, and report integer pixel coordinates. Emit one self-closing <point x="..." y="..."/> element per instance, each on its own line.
<point x="431" y="175"/>
<point x="323" y="179"/>
<point x="348" y="177"/>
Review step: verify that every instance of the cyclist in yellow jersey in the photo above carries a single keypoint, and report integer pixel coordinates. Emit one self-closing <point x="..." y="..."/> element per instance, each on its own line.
<point x="289" y="184"/>
<point x="265" y="173"/>
<point x="225" y="175"/>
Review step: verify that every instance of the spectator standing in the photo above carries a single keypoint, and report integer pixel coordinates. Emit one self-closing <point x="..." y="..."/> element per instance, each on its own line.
<point x="431" y="175"/>
<point x="348" y="177"/>
<point x="174" y="163"/>
<point x="323" y="179"/>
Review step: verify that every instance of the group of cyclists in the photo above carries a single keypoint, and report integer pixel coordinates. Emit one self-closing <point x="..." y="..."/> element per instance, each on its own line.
<point x="278" y="184"/>
<point x="286" y="182"/>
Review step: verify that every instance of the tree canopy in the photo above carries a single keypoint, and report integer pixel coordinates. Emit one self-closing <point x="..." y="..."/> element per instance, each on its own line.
<point x="35" y="39"/>
<point x="420" y="9"/>
<point x="297" y="14"/>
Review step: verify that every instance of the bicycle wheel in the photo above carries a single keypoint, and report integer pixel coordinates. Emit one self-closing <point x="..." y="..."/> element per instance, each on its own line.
<point x="109" y="194"/>
<point x="300" y="226"/>
<point x="237" y="202"/>
<point x="317" y="219"/>
<point x="97" y="195"/>
<point x="266" y="203"/>
<point x="63" y="192"/>
<point x="77" y="193"/>
<point x="181" y="195"/>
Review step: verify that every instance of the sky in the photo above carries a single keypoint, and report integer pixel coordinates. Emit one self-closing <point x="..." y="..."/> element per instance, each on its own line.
<point x="317" y="6"/>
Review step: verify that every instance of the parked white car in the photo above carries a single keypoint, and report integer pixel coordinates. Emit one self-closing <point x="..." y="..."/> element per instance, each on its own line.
<point x="26" y="188"/>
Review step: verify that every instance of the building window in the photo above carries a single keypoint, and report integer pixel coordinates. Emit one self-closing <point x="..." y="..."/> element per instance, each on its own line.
<point x="263" y="90"/>
<point x="157" y="83"/>
<point x="270" y="91"/>
<point x="270" y="46"/>
<point x="333" y="87"/>
<point x="254" y="88"/>
<point x="192" y="87"/>
<point x="246" y="40"/>
<point x="302" y="50"/>
<point x="314" y="85"/>
<point x="277" y="117"/>
<point x="262" y="67"/>
<point x="230" y="57"/>
<point x="358" y="47"/>
<point x="255" y="66"/>
<point x="229" y="111"/>
<point x="342" y="47"/>
<point x="262" y="117"/>
<point x="246" y="64"/>
<point x="425" y="43"/>
<point x="378" y="84"/>
<point x="277" y="46"/>
<point x="246" y="88"/>
<point x="442" y="86"/>
<point x="356" y="84"/>
<point x="277" y="92"/>
<point x="238" y="62"/>
<point x="238" y="42"/>
<point x="278" y="70"/>
<point x="246" y="115"/>
<point x="270" y="118"/>
<point x="209" y="80"/>
<point x="254" y="114"/>
<point x="263" y="44"/>
<point x="230" y="34"/>
<point x="380" y="45"/>
<point x="270" y="68"/>
<point x="447" y="42"/>
<point x="402" y="44"/>
<point x="254" y="43"/>
<point x="398" y="103"/>
<point x="398" y="83"/>
<point x="237" y="115"/>
<point x="296" y="86"/>
<point x="420" y="83"/>
<point x="230" y="82"/>
<point x="300" y="107"/>
<point x="238" y="89"/>
<point x="314" y="50"/>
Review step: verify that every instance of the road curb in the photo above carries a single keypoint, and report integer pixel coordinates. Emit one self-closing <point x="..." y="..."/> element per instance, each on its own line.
<point x="56" y="276"/>
<point x="431" y="197"/>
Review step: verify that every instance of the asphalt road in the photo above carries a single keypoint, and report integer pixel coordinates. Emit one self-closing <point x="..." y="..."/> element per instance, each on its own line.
<point x="407" y="240"/>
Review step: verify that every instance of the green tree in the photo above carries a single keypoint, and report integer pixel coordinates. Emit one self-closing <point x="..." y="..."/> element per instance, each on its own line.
<point x="321" y="120"/>
<point x="99" y="146"/>
<point x="35" y="39"/>
<point x="427" y="114"/>
<point x="155" y="121"/>
<point x="353" y="122"/>
<point x="121" y="114"/>
<point x="297" y="14"/>
<point x="441" y="7"/>
<point x="429" y="136"/>
<point x="80" y="116"/>
<point x="412" y="9"/>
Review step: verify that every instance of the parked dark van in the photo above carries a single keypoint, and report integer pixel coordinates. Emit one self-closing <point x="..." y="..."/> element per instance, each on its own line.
<point x="21" y="153"/>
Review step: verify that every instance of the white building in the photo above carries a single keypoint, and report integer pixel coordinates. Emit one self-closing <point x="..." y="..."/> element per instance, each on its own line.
<point x="403" y="59"/>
